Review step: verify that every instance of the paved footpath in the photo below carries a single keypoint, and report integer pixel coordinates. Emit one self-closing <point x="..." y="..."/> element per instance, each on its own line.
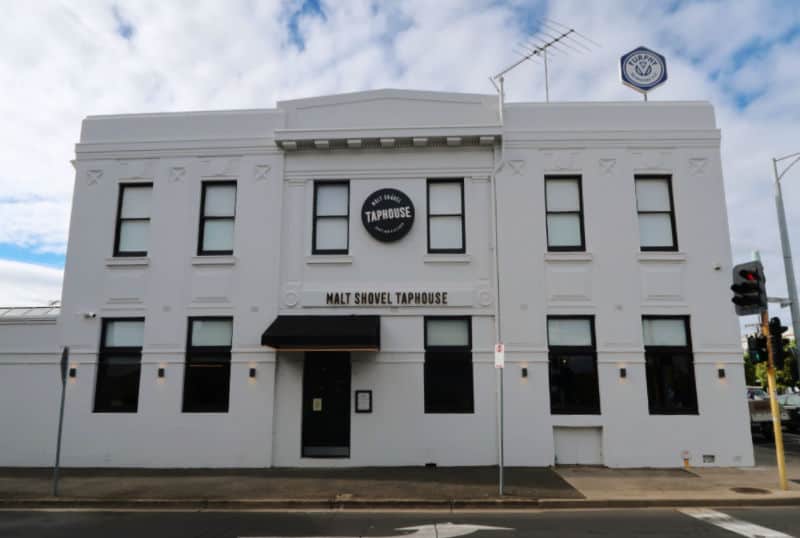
<point x="751" y="522"/>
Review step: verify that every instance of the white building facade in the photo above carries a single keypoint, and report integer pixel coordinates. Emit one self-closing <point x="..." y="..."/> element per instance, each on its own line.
<point x="323" y="283"/>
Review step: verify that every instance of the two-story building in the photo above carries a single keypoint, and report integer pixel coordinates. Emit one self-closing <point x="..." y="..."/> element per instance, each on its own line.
<point x="323" y="284"/>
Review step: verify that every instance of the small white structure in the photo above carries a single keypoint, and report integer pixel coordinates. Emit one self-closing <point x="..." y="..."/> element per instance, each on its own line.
<point x="317" y="285"/>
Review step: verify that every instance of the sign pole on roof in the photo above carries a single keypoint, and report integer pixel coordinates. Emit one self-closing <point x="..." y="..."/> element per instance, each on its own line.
<point x="643" y="69"/>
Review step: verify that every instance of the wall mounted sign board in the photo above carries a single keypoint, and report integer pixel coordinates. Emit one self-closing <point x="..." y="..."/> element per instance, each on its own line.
<point x="387" y="214"/>
<point x="643" y="69"/>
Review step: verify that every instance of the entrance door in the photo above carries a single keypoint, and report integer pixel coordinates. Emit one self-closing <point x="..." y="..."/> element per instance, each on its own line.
<point x="326" y="405"/>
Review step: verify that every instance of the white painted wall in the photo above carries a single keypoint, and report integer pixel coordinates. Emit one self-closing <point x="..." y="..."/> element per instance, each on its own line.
<point x="272" y="271"/>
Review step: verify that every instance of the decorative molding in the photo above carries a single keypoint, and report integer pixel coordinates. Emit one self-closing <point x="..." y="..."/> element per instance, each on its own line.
<point x="176" y="173"/>
<point x="516" y="166"/>
<point x="93" y="176"/>
<point x="606" y="166"/>
<point x="697" y="166"/>
<point x="262" y="172"/>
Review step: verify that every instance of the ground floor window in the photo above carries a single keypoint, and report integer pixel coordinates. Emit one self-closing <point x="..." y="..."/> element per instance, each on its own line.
<point x="119" y="366"/>
<point x="574" y="388"/>
<point x="448" y="365"/>
<point x="206" y="383"/>
<point x="671" y="386"/>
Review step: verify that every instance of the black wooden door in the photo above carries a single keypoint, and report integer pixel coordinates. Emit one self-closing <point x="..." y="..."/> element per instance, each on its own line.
<point x="326" y="405"/>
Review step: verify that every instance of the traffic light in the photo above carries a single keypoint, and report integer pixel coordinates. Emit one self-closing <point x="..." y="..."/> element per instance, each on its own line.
<point x="779" y="351"/>
<point x="757" y="348"/>
<point x="749" y="288"/>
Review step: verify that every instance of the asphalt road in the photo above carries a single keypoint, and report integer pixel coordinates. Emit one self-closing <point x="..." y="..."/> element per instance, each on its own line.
<point x="777" y="522"/>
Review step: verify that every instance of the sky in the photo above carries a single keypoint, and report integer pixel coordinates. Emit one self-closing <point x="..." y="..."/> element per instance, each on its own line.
<point x="62" y="61"/>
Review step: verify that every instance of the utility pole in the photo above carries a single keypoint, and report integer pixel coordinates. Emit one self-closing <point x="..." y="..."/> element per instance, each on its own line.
<point x="786" y="247"/>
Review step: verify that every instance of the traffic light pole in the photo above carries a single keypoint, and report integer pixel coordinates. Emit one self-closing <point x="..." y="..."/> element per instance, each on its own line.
<point x="773" y="402"/>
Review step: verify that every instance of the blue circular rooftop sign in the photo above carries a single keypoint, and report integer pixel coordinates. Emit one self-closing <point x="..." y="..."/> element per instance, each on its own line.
<point x="643" y="69"/>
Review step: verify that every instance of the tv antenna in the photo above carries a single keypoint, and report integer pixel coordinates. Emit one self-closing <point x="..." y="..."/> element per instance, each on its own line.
<point x="554" y="39"/>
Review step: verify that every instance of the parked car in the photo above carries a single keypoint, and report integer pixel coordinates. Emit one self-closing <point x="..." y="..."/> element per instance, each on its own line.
<point x="761" y="414"/>
<point x="791" y="402"/>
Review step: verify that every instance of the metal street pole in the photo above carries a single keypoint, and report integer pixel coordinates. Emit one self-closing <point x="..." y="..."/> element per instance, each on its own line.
<point x="786" y="247"/>
<point x="64" y="361"/>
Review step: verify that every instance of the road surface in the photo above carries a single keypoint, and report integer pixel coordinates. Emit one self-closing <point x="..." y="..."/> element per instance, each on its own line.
<point x="768" y="522"/>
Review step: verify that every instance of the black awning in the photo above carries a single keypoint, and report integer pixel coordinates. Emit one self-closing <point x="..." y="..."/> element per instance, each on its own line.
<point x="324" y="333"/>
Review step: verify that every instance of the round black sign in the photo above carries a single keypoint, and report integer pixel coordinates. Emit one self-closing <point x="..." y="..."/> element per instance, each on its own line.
<point x="387" y="214"/>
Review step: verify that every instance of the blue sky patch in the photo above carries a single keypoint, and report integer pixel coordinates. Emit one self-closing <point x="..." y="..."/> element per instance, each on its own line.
<point x="308" y="8"/>
<point x="27" y="255"/>
<point x="124" y="28"/>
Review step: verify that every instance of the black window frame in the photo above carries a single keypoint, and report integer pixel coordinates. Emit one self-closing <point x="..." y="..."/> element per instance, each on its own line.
<point x="209" y="355"/>
<point x="668" y="179"/>
<point x="315" y="218"/>
<point x="204" y="218"/>
<point x="454" y="357"/>
<point x="556" y="352"/>
<point x="104" y="353"/>
<point x="462" y="215"/>
<point x="120" y="198"/>
<point x="565" y="248"/>
<point x="654" y="353"/>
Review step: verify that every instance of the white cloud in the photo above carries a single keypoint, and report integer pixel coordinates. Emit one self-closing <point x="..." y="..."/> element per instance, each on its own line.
<point x="63" y="61"/>
<point x="27" y="284"/>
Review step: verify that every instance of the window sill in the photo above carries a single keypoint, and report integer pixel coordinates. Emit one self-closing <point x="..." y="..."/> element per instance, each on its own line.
<point x="213" y="260"/>
<point x="129" y="261"/>
<point x="568" y="256"/>
<point x="325" y="259"/>
<point x="662" y="256"/>
<point x="447" y="258"/>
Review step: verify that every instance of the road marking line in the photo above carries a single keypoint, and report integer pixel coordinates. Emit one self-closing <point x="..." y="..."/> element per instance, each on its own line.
<point x="743" y="528"/>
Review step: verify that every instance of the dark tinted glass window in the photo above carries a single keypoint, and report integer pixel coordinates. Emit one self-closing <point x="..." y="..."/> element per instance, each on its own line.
<point x="574" y="386"/>
<point x="670" y="366"/>
<point x="448" y="365"/>
<point x="206" y="384"/>
<point x="119" y="366"/>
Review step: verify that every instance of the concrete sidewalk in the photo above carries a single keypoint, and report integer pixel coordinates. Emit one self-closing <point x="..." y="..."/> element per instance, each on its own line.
<point x="402" y="487"/>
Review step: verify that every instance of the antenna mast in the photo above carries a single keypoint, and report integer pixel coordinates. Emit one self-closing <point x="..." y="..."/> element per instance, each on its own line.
<point x="552" y="37"/>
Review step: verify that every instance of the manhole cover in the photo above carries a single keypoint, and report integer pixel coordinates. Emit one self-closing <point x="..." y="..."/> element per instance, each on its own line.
<point x="751" y="491"/>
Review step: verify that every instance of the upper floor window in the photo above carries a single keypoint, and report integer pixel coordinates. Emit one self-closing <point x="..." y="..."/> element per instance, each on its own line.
<point x="217" y="216"/>
<point x="656" y="213"/>
<point x="133" y="220"/>
<point x="206" y="381"/>
<point x="564" y="213"/>
<point x="448" y="365"/>
<point x="670" y="365"/>
<point x="331" y="229"/>
<point x="119" y="365"/>
<point x="446" y="216"/>
<point x="574" y="387"/>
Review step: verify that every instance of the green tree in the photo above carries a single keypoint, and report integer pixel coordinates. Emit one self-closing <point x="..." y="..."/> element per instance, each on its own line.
<point x="756" y="374"/>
